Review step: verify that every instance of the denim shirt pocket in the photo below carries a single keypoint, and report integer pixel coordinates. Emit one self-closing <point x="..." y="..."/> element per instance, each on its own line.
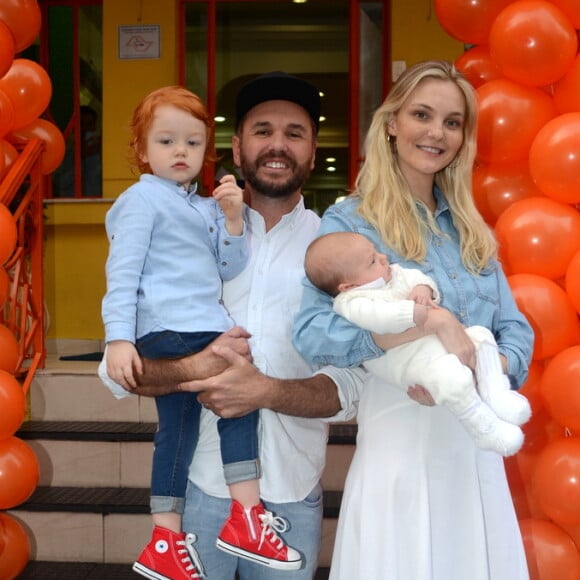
<point x="486" y="285"/>
<point x="485" y="306"/>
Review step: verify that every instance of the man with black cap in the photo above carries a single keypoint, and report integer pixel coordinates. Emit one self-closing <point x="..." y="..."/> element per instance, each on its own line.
<point x="277" y="121"/>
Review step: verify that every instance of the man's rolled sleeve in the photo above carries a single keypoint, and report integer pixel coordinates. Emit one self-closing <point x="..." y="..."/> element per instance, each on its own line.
<point x="349" y="383"/>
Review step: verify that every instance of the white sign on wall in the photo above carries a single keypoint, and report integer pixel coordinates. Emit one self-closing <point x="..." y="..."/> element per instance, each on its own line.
<point x="139" y="42"/>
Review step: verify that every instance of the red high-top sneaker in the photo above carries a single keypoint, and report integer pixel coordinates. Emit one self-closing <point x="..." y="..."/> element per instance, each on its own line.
<point x="169" y="556"/>
<point x="252" y="535"/>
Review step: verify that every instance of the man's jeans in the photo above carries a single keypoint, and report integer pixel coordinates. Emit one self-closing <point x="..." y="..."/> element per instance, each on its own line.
<point x="204" y="515"/>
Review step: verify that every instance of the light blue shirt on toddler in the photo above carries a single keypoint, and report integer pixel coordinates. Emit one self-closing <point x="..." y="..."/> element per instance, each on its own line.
<point x="169" y="252"/>
<point x="323" y="337"/>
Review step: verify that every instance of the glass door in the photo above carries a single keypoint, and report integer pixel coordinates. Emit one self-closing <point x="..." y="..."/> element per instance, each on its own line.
<point x="226" y="43"/>
<point x="71" y="52"/>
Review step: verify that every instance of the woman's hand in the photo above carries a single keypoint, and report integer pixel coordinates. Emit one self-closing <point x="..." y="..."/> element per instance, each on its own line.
<point x="421" y="395"/>
<point x="447" y="328"/>
<point x="452" y="334"/>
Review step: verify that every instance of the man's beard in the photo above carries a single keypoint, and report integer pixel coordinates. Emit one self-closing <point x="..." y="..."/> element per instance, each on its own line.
<point x="271" y="188"/>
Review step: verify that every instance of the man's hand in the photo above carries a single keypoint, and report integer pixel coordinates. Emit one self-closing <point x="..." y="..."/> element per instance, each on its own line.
<point x="238" y="390"/>
<point x="210" y="363"/>
<point x="161" y="376"/>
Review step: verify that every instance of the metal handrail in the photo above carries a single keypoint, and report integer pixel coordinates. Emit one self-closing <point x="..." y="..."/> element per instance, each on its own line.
<point x="22" y="192"/>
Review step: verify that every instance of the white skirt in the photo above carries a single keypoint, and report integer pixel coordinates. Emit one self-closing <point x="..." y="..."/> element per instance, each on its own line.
<point x="421" y="502"/>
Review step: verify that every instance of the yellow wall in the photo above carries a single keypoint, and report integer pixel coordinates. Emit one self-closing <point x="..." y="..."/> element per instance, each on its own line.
<point x="75" y="242"/>
<point x="75" y="251"/>
<point x="417" y="35"/>
<point x="126" y="82"/>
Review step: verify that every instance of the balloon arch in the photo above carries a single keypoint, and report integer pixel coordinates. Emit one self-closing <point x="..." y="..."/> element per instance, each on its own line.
<point x="522" y="58"/>
<point x="25" y="92"/>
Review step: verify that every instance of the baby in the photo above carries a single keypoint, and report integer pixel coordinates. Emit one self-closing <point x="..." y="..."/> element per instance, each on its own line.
<point x="389" y="299"/>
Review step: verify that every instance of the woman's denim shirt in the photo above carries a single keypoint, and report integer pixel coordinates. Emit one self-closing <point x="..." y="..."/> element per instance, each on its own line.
<point x="325" y="338"/>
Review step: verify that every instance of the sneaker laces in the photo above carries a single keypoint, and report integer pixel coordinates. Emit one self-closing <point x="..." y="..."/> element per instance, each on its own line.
<point x="270" y="525"/>
<point x="191" y="560"/>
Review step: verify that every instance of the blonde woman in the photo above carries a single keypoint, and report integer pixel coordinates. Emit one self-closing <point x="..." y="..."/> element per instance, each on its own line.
<point x="422" y="501"/>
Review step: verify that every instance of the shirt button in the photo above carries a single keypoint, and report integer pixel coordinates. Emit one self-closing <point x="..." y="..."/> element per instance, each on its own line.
<point x="224" y="264"/>
<point x="211" y="229"/>
<point x="226" y="243"/>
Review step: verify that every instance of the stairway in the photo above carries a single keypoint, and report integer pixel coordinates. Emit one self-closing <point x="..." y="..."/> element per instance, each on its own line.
<point x="89" y="516"/>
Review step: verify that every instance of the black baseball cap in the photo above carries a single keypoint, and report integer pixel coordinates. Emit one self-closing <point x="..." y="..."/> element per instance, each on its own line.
<point x="278" y="85"/>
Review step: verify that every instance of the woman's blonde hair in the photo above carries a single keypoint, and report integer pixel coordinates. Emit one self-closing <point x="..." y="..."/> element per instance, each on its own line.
<point x="386" y="200"/>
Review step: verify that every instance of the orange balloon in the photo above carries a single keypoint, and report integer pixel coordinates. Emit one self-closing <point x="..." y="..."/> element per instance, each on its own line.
<point x="571" y="8"/>
<point x="29" y="88"/>
<point x="517" y="487"/>
<point x="7" y="49"/>
<point x="574" y="533"/>
<point x="477" y="66"/>
<point x="549" y="311"/>
<point x="536" y="435"/>
<point x="533" y="42"/>
<point x="531" y="388"/>
<point x="10" y="156"/>
<point x="510" y="117"/>
<point x="519" y="469"/>
<point x="479" y="193"/>
<point x="560" y="388"/>
<point x="49" y="133"/>
<point x="556" y="480"/>
<point x="8" y="350"/>
<point x="12" y="405"/>
<point x="2" y="159"/>
<point x="550" y="552"/>
<point x="567" y="89"/>
<point x="573" y="281"/>
<point x="16" y="553"/>
<point x="554" y="159"/>
<point x="496" y="186"/>
<point x="6" y="114"/>
<point x="468" y="20"/>
<point x="19" y="472"/>
<point x="8" y="238"/>
<point x="2" y="540"/>
<point x="23" y="18"/>
<point x="4" y="286"/>
<point x="538" y="236"/>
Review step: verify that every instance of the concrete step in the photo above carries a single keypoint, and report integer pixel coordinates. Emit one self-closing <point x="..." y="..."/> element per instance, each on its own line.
<point x="111" y="454"/>
<point x="109" y="525"/>
<point x="62" y="393"/>
<point x="81" y="571"/>
<point x="89" y="516"/>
